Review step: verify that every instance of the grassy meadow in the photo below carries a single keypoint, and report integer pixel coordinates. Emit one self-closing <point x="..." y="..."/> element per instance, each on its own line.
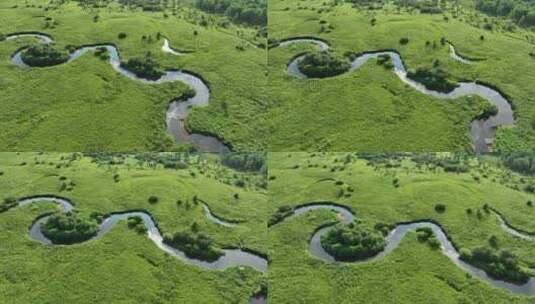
<point x="123" y="266"/>
<point x="86" y="106"/>
<point x="413" y="272"/>
<point x="371" y="109"/>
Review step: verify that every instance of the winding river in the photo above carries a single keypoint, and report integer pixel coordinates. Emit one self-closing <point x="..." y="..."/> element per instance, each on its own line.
<point x="395" y="236"/>
<point x="231" y="257"/>
<point x="482" y="131"/>
<point x="177" y="111"/>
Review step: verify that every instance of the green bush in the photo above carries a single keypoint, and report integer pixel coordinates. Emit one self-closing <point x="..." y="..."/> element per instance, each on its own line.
<point x="282" y="212"/>
<point x="8" y="203"/>
<point x="502" y="264"/>
<point x="440" y="208"/>
<point x="433" y="79"/>
<point x="43" y="55"/>
<point x="136" y="223"/>
<point x="146" y="68"/>
<point x="353" y="242"/>
<point x="323" y="64"/>
<point x="69" y="228"/>
<point x="194" y="245"/>
<point x="153" y="199"/>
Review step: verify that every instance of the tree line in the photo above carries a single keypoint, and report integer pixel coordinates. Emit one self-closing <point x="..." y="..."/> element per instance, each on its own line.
<point x="521" y="12"/>
<point x="251" y="12"/>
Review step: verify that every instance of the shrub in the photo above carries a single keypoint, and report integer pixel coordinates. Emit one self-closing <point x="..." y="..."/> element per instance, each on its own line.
<point x="529" y="203"/>
<point x="69" y="228"/>
<point x="433" y="79"/>
<point x="146" y="68"/>
<point x="502" y="264"/>
<point x="282" y="212"/>
<point x="424" y="233"/>
<point x="102" y="53"/>
<point x="8" y="203"/>
<point x="385" y="61"/>
<point x="121" y="35"/>
<point x="323" y="64"/>
<point x="153" y="199"/>
<point x="404" y="41"/>
<point x="136" y="223"/>
<point x="43" y="55"/>
<point x="383" y="228"/>
<point x="352" y="242"/>
<point x="440" y="208"/>
<point x="194" y="245"/>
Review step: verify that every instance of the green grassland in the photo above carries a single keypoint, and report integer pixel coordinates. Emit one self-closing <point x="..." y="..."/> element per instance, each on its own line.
<point x="371" y="109"/>
<point x="86" y="106"/>
<point x="123" y="266"/>
<point x="413" y="272"/>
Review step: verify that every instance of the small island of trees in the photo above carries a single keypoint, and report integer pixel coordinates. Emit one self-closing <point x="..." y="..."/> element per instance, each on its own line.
<point x="69" y="228"/>
<point x="145" y="67"/>
<point x="353" y="242"/>
<point x="433" y="79"/>
<point x="195" y="245"/>
<point x="43" y="55"/>
<point x="323" y="64"/>
<point x="500" y="264"/>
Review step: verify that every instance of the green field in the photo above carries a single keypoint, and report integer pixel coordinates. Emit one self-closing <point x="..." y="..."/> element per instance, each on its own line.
<point x="86" y="106"/>
<point x="371" y="109"/>
<point x="413" y="272"/>
<point x="123" y="266"/>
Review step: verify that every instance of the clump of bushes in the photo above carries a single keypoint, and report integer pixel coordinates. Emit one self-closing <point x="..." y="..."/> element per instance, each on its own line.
<point x="323" y="64"/>
<point x="282" y="212"/>
<point x="502" y="264"/>
<point x="433" y="79"/>
<point x="385" y="61"/>
<point x="102" y="53"/>
<point x="146" y="67"/>
<point x="426" y="235"/>
<point x="440" y="208"/>
<point x="136" y="223"/>
<point x="488" y="111"/>
<point x="353" y="242"/>
<point x="195" y="245"/>
<point x="8" y="203"/>
<point x="69" y="228"/>
<point x="43" y="55"/>
<point x="404" y="41"/>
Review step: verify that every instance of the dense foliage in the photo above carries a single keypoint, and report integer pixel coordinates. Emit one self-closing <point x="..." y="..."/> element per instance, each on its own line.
<point x="353" y="242"/>
<point x="520" y="11"/>
<point x="43" y="55"/>
<point x="244" y="161"/>
<point x="282" y="213"/>
<point x="426" y="235"/>
<point x="499" y="264"/>
<point x="424" y="6"/>
<point x="195" y="245"/>
<point x="243" y="11"/>
<point x="322" y="64"/>
<point x="69" y="228"/>
<point x="520" y="162"/>
<point x="136" y="223"/>
<point x="7" y="203"/>
<point x="433" y="79"/>
<point x="145" y="67"/>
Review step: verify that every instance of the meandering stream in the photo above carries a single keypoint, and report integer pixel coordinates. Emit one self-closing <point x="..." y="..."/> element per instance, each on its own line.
<point x="482" y="131"/>
<point x="395" y="236"/>
<point x="177" y="111"/>
<point x="231" y="257"/>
